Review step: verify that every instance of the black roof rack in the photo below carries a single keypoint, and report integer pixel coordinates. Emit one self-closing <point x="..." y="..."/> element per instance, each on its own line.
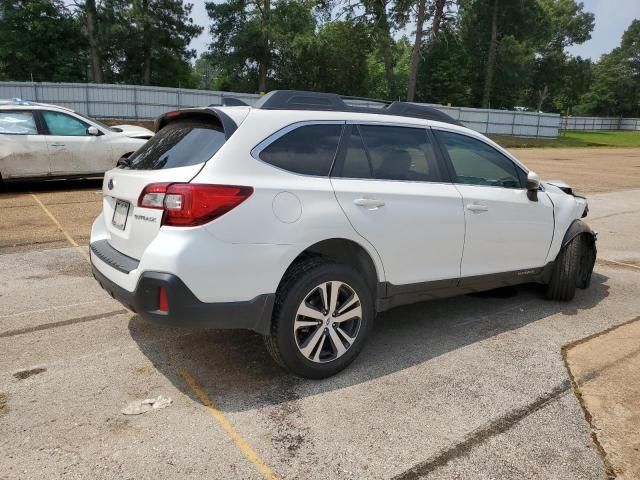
<point x="331" y="102"/>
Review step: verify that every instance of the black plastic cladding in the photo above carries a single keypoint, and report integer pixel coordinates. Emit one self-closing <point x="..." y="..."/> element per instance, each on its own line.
<point x="331" y="102"/>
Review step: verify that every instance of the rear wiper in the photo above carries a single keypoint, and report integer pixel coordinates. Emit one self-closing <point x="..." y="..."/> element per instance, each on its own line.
<point x="123" y="162"/>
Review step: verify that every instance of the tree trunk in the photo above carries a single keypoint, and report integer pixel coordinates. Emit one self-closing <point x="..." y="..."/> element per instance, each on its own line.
<point x="542" y="96"/>
<point x="266" y="48"/>
<point x="146" y="44"/>
<point x="437" y="17"/>
<point x="94" y="43"/>
<point x="384" y="40"/>
<point x="415" y="53"/>
<point x="491" y="59"/>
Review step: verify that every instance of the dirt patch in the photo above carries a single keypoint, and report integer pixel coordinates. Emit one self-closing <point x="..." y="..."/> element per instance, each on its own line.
<point x="605" y="372"/>
<point x="24" y="374"/>
<point x="588" y="170"/>
<point x="72" y="269"/>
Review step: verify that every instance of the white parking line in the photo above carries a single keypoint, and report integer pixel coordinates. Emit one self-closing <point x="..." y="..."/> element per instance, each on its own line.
<point x="64" y="232"/>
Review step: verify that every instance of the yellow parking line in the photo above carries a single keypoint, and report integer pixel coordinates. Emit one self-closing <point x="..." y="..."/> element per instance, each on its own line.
<point x="244" y="447"/>
<point x="64" y="232"/>
<point x="240" y="442"/>
<point x="604" y="261"/>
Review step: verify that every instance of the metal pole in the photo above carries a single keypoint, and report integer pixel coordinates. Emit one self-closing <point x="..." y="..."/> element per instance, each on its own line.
<point x="135" y="102"/>
<point x="86" y="94"/>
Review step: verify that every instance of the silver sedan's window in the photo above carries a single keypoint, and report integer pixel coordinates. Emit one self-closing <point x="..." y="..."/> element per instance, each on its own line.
<point x="18" y="123"/>
<point x="64" y="125"/>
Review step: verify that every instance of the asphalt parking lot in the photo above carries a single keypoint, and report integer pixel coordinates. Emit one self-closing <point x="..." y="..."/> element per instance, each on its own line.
<point x="471" y="387"/>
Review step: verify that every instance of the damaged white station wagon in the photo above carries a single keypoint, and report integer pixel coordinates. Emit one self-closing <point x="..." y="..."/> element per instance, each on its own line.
<point x="304" y="216"/>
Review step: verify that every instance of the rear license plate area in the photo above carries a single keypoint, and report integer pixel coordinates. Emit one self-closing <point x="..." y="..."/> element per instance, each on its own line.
<point x="120" y="214"/>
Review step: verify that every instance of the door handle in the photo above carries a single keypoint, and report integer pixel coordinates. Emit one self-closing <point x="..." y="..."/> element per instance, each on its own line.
<point x="369" y="203"/>
<point x="477" y="208"/>
<point x="57" y="144"/>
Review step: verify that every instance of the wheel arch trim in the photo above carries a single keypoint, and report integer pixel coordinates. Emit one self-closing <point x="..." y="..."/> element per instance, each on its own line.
<point x="578" y="227"/>
<point x="371" y="255"/>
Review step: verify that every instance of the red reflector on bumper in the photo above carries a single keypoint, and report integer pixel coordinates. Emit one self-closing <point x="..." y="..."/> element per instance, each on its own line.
<point x="163" y="302"/>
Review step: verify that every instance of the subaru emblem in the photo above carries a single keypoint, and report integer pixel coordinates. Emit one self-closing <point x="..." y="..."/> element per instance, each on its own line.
<point x="110" y="184"/>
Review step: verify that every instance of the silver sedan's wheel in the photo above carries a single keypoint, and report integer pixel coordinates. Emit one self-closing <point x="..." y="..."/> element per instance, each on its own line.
<point x="327" y="321"/>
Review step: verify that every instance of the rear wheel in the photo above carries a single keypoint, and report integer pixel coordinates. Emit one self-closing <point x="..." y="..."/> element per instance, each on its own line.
<point x="322" y="316"/>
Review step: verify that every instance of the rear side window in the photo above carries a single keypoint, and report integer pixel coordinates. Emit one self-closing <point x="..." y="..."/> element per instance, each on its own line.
<point x="390" y="153"/>
<point x="308" y="150"/>
<point x="179" y="144"/>
<point x="18" y="123"/>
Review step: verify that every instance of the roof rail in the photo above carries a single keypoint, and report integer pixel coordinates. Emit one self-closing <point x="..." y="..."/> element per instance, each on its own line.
<point x="331" y="102"/>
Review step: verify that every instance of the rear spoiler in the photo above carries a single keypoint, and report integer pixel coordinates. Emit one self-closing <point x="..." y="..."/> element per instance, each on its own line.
<point x="228" y="125"/>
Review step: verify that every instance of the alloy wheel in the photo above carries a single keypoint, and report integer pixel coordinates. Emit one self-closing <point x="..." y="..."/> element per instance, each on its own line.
<point x="327" y="321"/>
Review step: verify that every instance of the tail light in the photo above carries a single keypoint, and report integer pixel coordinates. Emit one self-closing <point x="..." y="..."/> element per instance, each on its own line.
<point x="192" y="204"/>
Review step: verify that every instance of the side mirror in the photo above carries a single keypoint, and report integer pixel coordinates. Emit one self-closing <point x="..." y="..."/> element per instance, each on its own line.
<point x="93" y="131"/>
<point x="533" y="181"/>
<point x="533" y="184"/>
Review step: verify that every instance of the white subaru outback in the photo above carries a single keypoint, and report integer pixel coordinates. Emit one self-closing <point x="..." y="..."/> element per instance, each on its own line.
<point x="302" y="217"/>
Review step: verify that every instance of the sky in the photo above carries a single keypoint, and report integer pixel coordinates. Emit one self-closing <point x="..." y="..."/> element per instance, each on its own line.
<point x="613" y="17"/>
<point x="199" y="15"/>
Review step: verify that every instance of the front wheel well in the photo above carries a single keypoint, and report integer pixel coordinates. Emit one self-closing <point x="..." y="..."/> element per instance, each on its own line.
<point x="345" y="252"/>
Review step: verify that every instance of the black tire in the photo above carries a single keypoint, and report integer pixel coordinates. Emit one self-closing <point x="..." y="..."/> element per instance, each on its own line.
<point x="587" y="261"/>
<point x="299" y="281"/>
<point x="565" y="273"/>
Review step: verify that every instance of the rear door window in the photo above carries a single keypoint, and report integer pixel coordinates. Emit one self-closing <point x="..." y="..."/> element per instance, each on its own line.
<point x="18" y="123"/>
<point x="390" y="153"/>
<point x="180" y="144"/>
<point x="309" y="149"/>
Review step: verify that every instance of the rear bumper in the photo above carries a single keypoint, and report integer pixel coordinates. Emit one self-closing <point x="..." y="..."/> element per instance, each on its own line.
<point x="185" y="310"/>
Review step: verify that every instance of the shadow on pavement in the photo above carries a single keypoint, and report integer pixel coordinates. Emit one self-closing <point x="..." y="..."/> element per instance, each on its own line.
<point x="53" y="185"/>
<point x="236" y="372"/>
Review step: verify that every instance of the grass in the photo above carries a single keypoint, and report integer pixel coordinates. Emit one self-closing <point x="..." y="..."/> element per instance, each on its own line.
<point x="573" y="140"/>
